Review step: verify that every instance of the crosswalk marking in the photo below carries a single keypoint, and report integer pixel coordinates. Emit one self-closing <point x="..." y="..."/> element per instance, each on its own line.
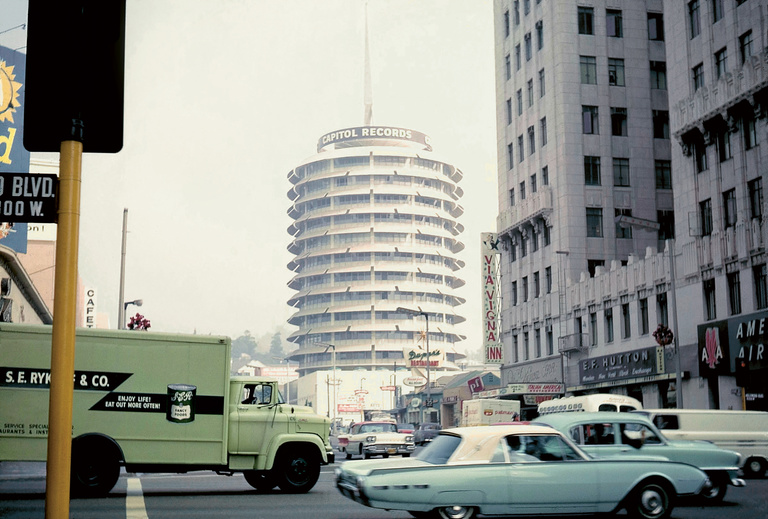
<point x="134" y="501"/>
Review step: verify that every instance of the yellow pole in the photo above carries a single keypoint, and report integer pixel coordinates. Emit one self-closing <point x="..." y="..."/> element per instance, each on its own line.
<point x="63" y="343"/>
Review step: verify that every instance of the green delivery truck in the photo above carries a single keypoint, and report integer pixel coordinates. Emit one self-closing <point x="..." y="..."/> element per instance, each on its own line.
<point x="156" y="402"/>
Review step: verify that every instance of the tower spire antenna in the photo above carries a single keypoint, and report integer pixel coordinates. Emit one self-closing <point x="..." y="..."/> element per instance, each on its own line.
<point x="368" y="94"/>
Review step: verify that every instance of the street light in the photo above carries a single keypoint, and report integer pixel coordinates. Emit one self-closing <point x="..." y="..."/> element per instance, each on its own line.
<point x="410" y="312"/>
<point x="362" y="400"/>
<point x="334" y="381"/>
<point x="137" y="302"/>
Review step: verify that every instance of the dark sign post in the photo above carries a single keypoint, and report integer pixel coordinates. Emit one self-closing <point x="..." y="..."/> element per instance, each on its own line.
<point x="74" y="98"/>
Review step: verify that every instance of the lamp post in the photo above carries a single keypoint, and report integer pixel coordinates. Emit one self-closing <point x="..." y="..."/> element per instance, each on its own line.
<point x="333" y="381"/>
<point x="137" y="302"/>
<point x="410" y="312"/>
<point x="362" y="400"/>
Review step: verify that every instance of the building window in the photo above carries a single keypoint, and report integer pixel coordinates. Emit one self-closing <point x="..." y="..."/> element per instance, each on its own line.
<point x="623" y="231"/>
<point x="592" y="266"/>
<point x="724" y="144"/>
<point x="586" y="20"/>
<point x="548" y="279"/>
<point x="513" y="257"/>
<point x="518" y="57"/>
<point x="522" y="190"/>
<point x="515" y="349"/>
<point x="694" y="24"/>
<point x="660" y="124"/>
<point x="525" y="289"/>
<point x="756" y="197"/>
<point x="588" y="70"/>
<point x="613" y="24"/>
<point x="543" y="131"/>
<point x="594" y="222"/>
<point x="520" y="102"/>
<point x="621" y="172"/>
<point x="508" y="67"/>
<point x="700" y="156"/>
<point x="510" y="156"/>
<point x="516" y="7"/>
<point x="520" y="148"/>
<point x="537" y="341"/>
<point x="705" y="212"/>
<point x="512" y="197"/>
<point x="626" y="322"/>
<point x="750" y="133"/>
<point x="666" y="221"/>
<point x="729" y="208"/>
<point x="734" y="292"/>
<point x="721" y="62"/>
<point x="536" y="284"/>
<point x="539" y="35"/>
<point x="618" y="122"/>
<point x="592" y="171"/>
<point x="662" y="308"/>
<point x="526" y="6"/>
<point x="506" y="24"/>
<point x="717" y="10"/>
<point x="550" y="342"/>
<point x="745" y="46"/>
<point x="643" y="307"/>
<point x="528" y="47"/>
<point x="531" y="140"/>
<point x="659" y="75"/>
<point x="534" y="183"/>
<point x="663" y="174"/>
<point x="526" y="349"/>
<point x="697" y="74"/>
<point x="615" y="72"/>
<point x="542" y="85"/>
<point x="710" y="306"/>
<point x="761" y="289"/>
<point x="545" y="174"/>
<point x="593" y="329"/>
<point x="514" y="293"/>
<point x="530" y="92"/>
<point x="608" y="314"/>
<point x="656" y="26"/>
<point x="589" y="120"/>
<point x="509" y="111"/>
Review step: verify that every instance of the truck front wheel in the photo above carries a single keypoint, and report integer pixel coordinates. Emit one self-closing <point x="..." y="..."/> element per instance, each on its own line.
<point x="298" y="470"/>
<point x="95" y="466"/>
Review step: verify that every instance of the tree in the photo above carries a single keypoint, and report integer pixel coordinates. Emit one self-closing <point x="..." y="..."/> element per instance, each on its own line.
<point x="245" y="344"/>
<point x="276" y="346"/>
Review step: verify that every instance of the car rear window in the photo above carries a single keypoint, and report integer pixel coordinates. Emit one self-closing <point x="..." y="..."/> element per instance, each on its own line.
<point x="440" y="450"/>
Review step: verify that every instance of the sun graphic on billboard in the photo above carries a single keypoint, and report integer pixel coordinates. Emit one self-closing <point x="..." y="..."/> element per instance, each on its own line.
<point x="9" y="93"/>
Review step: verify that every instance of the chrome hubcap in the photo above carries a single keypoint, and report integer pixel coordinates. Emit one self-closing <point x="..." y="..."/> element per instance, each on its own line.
<point x="652" y="502"/>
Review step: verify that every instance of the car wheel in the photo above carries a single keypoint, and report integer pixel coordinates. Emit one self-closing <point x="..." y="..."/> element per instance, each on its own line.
<point x="715" y="490"/>
<point x="650" y="500"/>
<point x="366" y="456"/>
<point x="455" y="512"/>
<point x="297" y="470"/>
<point x="348" y="455"/>
<point x="406" y="455"/>
<point x="755" y="467"/>
<point x="260" y="480"/>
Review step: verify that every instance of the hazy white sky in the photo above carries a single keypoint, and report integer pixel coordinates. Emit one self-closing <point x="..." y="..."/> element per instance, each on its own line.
<point x="224" y="97"/>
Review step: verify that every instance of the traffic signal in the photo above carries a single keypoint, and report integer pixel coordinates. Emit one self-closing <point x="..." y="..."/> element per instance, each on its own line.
<point x="75" y="75"/>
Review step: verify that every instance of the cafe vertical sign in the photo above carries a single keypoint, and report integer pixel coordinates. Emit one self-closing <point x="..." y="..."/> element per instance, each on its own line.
<point x="489" y="251"/>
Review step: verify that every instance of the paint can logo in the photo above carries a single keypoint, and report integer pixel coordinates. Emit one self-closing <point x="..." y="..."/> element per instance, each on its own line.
<point x="181" y="403"/>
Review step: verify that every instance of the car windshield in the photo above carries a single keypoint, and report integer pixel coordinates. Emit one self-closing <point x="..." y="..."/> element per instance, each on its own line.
<point x="378" y="427"/>
<point x="440" y="450"/>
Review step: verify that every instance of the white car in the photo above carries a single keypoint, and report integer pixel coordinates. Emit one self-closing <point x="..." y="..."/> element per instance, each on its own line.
<point x="368" y="439"/>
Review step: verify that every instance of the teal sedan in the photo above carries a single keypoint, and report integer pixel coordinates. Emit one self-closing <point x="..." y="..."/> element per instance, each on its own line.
<point x="620" y="434"/>
<point x="516" y="470"/>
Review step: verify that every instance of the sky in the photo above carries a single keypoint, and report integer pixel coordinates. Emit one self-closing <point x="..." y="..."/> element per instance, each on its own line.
<point x="223" y="98"/>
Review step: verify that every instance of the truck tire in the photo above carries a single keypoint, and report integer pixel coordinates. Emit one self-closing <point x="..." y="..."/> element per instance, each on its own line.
<point x="95" y="466"/>
<point x="297" y="469"/>
<point x="755" y="467"/>
<point x="262" y="481"/>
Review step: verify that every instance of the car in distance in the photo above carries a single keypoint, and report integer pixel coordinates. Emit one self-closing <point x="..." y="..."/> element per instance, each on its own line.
<point x="368" y="439"/>
<point x="516" y="470"/>
<point x="406" y="428"/>
<point x="616" y="434"/>
<point x="426" y="433"/>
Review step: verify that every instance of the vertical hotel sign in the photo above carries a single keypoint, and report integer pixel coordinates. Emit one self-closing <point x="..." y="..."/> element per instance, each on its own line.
<point x="489" y="251"/>
<point x="14" y="158"/>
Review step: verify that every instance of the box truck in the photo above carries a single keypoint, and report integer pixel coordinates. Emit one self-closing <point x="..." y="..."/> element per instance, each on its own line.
<point x="489" y="411"/>
<point x="156" y="402"/>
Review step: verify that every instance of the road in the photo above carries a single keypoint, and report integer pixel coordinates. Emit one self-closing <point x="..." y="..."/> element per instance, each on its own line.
<point x="206" y="495"/>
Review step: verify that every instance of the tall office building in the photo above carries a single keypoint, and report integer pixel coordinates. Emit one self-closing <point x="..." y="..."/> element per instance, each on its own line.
<point x="718" y="88"/>
<point x="583" y="153"/>
<point x="375" y="229"/>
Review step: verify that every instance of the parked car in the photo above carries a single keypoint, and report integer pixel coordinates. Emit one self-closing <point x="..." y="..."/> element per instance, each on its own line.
<point x="368" y="439"/>
<point x="426" y="432"/>
<point x="406" y="428"/>
<point x="618" y="434"/>
<point x="516" y="470"/>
